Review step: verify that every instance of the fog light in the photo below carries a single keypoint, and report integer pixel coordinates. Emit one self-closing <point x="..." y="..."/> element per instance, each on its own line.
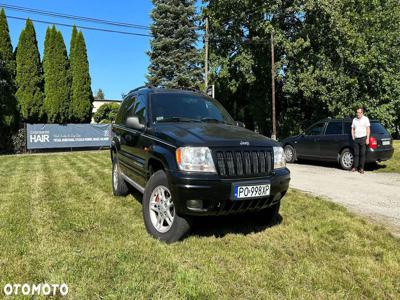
<point x="194" y="204"/>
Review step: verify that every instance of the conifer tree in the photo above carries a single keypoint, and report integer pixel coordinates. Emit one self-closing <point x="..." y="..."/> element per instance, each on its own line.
<point x="99" y="95"/>
<point x="8" y="105"/>
<point x="29" y="76"/>
<point x="72" y="44"/>
<point x="6" y="48"/>
<point x="57" y="85"/>
<point x="81" y="92"/>
<point x="173" y="58"/>
<point x="8" y="111"/>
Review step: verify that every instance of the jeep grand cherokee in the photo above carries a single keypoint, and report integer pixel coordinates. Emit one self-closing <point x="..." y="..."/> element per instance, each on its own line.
<point x="188" y="157"/>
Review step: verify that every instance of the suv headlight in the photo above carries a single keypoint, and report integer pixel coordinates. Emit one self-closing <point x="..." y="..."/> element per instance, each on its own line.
<point x="195" y="159"/>
<point x="279" y="158"/>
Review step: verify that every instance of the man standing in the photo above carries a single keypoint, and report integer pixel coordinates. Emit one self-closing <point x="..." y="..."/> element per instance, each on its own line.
<point x="360" y="131"/>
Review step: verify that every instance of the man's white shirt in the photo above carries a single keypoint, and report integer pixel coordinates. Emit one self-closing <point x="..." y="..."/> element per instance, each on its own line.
<point x="360" y="126"/>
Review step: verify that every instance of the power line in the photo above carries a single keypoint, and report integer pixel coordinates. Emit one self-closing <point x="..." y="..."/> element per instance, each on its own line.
<point x="74" y="17"/>
<point x="81" y="27"/>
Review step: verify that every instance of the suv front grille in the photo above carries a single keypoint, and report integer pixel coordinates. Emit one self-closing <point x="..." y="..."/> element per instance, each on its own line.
<point x="234" y="163"/>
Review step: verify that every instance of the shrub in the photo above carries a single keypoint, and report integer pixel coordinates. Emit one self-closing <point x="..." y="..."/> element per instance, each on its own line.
<point x="18" y="141"/>
<point x="106" y="113"/>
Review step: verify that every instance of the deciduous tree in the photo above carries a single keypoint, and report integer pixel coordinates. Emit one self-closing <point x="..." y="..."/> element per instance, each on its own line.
<point x="106" y="113"/>
<point x="330" y="56"/>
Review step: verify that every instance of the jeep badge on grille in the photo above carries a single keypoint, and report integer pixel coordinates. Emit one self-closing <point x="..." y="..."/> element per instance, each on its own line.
<point x="242" y="143"/>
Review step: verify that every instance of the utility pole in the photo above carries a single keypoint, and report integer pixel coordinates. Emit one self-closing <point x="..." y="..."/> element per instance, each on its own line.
<point x="206" y="40"/>
<point x="273" y="136"/>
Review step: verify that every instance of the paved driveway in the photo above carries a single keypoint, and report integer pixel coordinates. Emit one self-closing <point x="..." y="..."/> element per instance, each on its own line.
<point x="375" y="195"/>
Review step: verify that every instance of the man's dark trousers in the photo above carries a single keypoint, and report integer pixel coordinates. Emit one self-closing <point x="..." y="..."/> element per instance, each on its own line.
<point x="359" y="152"/>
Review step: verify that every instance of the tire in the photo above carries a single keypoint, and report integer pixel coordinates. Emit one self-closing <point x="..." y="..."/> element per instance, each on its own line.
<point x="269" y="215"/>
<point x="290" y="153"/>
<point x="119" y="186"/>
<point x="346" y="159"/>
<point x="159" y="213"/>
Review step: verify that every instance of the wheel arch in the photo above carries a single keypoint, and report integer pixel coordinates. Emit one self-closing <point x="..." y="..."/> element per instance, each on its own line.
<point x="153" y="165"/>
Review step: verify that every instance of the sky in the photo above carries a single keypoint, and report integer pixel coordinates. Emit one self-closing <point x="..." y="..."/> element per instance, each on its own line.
<point x="118" y="63"/>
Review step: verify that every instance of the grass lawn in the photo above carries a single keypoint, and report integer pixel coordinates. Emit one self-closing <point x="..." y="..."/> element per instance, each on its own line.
<point x="59" y="223"/>
<point x="392" y="165"/>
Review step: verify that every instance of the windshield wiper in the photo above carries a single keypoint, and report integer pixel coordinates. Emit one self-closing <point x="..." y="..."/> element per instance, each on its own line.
<point x="177" y="119"/>
<point x="212" y="120"/>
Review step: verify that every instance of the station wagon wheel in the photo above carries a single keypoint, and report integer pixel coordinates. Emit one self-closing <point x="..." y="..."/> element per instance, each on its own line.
<point x="346" y="159"/>
<point x="160" y="214"/>
<point x="290" y="153"/>
<point x="161" y="209"/>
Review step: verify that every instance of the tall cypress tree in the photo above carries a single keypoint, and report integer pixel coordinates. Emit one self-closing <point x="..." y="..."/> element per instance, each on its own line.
<point x="173" y="57"/>
<point x="81" y="96"/>
<point x="6" y="48"/>
<point x="29" y="77"/>
<point x="72" y="44"/>
<point x="8" y="105"/>
<point x="8" y="112"/>
<point x="57" y="85"/>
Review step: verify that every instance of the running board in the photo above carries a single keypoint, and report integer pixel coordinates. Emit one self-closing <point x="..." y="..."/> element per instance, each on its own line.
<point x="133" y="183"/>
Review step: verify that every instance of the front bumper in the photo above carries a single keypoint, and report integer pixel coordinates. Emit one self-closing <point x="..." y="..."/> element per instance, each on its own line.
<point x="374" y="155"/>
<point x="215" y="193"/>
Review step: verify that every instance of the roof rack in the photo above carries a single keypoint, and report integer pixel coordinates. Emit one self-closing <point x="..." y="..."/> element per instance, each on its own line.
<point x="177" y="87"/>
<point x="165" y="87"/>
<point x="141" y="87"/>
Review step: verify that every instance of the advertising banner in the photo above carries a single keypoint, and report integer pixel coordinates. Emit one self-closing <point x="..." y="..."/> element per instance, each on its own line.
<point x="48" y="136"/>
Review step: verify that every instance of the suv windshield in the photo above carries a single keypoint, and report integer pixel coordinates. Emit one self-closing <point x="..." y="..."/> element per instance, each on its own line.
<point x="174" y="107"/>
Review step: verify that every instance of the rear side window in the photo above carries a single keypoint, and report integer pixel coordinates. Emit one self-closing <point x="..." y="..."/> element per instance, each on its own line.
<point x="316" y="129"/>
<point x="334" y="128"/>
<point x="377" y="128"/>
<point x="347" y="128"/>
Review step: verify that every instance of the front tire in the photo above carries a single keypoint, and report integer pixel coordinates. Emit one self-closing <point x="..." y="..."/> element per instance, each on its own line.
<point x="290" y="153"/>
<point x="159" y="213"/>
<point x="119" y="186"/>
<point x="346" y="159"/>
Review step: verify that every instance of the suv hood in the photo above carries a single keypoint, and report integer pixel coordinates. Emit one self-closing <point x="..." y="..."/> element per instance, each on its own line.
<point x="210" y="135"/>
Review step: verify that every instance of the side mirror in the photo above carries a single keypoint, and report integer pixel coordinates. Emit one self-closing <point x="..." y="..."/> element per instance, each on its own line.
<point x="240" y="124"/>
<point x="133" y="122"/>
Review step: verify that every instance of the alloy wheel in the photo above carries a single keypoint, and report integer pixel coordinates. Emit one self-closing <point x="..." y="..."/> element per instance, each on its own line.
<point x="288" y="154"/>
<point x="161" y="209"/>
<point x="347" y="160"/>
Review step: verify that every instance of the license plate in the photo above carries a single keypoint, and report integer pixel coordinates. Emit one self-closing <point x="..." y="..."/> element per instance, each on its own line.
<point x="251" y="191"/>
<point x="385" y="143"/>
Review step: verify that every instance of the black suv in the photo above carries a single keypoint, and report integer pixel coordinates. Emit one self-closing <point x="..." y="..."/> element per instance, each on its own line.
<point x="188" y="157"/>
<point x="330" y="140"/>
